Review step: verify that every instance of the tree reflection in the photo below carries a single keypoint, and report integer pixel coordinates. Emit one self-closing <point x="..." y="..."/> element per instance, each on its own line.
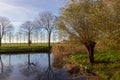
<point x="33" y="71"/>
<point x="48" y="74"/>
<point x="51" y="73"/>
<point x="5" y="71"/>
<point x="1" y="63"/>
<point x="29" y="68"/>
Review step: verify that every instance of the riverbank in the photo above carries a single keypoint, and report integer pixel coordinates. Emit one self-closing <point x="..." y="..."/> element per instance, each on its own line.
<point x="23" y="49"/>
<point x="106" y="66"/>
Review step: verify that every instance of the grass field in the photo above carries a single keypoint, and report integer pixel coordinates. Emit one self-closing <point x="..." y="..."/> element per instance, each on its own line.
<point x="21" y="48"/>
<point x="107" y="63"/>
<point x="25" y="44"/>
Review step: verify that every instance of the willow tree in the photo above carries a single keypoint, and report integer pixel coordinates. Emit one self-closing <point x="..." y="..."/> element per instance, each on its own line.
<point x="82" y="20"/>
<point x="114" y="21"/>
<point x="116" y="8"/>
<point x="109" y="23"/>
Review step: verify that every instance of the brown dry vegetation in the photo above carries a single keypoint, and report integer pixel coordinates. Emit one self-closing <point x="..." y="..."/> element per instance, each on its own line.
<point x="67" y="48"/>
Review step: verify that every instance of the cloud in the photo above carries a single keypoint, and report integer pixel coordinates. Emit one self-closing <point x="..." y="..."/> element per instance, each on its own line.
<point x="16" y="14"/>
<point x="18" y="11"/>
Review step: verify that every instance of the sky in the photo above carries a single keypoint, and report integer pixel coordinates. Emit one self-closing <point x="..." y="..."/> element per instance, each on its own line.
<point x="19" y="11"/>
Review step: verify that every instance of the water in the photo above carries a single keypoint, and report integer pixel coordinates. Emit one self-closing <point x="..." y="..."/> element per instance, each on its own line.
<point x="30" y="67"/>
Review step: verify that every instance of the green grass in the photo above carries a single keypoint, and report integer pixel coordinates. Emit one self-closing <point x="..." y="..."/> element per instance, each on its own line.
<point x="107" y="63"/>
<point x="22" y="48"/>
<point x="25" y="44"/>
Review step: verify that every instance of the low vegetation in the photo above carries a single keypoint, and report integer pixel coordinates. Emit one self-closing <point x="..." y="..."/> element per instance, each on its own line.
<point x="105" y="67"/>
<point x="107" y="63"/>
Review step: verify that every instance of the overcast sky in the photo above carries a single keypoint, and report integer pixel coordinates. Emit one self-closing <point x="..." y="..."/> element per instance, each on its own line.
<point x="18" y="11"/>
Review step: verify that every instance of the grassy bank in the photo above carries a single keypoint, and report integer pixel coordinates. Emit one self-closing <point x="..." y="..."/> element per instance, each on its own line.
<point x="24" y="44"/>
<point x="107" y="63"/>
<point x="22" y="48"/>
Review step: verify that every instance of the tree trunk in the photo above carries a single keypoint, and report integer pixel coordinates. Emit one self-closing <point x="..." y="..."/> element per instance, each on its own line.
<point x="49" y="36"/>
<point x="90" y="48"/>
<point x="29" y="41"/>
<point x="0" y="42"/>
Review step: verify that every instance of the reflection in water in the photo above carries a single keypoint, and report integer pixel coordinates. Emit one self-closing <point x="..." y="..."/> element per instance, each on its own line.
<point x="5" y="71"/>
<point x="51" y="73"/>
<point x="1" y="62"/>
<point x="30" y="67"/>
<point x="34" y="71"/>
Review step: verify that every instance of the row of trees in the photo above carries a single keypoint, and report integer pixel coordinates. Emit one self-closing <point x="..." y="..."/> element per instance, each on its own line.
<point x="44" y="22"/>
<point x="36" y="37"/>
<point x="91" y="21"/>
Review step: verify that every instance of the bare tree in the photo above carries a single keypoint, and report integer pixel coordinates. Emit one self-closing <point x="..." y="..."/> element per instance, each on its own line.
<point x="5" y="26"/>
<point x="28" y="27"/>
<point x="46" y="20"/>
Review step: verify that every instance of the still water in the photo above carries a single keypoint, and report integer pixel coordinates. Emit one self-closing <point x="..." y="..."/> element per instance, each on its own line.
<point x="30" y="67"/>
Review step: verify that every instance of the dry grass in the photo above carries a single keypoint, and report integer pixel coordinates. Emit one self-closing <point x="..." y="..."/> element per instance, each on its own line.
<point x="61" y="50"/>
<point x="65" y="49"/>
